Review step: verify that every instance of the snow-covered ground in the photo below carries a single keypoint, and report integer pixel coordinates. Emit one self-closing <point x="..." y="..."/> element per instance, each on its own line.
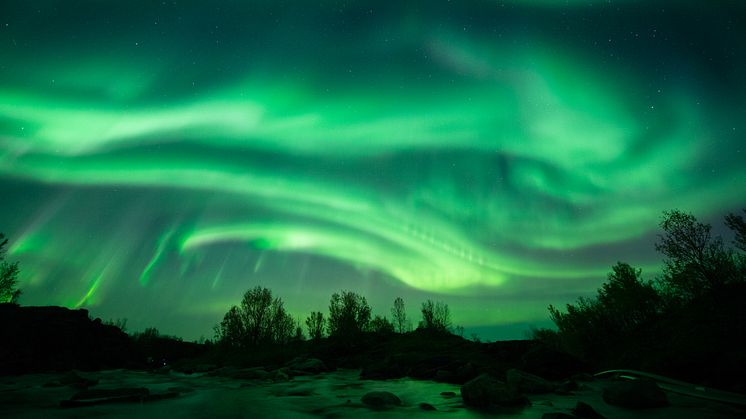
<point x="331" y="395"/>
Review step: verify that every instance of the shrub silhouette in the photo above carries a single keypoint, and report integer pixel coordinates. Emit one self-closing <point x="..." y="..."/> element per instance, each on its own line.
<point x="8" y="276"/>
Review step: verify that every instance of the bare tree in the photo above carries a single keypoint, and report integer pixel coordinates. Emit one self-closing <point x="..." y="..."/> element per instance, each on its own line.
<point x="259" y="320"/>
<point x="695" y="260"/>
<point x="435" y="316"/>
<point x="399" y="315"/>
<point x="349" y="314"/>
<point x="315" y="323"/>
<point x="738" y="225"/>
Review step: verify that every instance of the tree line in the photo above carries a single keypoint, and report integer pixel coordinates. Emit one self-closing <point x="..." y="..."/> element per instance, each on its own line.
<point x="688" y="320"/>
<point x="261" y="319"/>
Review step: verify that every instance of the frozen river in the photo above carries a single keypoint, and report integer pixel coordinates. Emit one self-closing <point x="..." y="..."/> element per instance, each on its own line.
<point x="331" y="395"/>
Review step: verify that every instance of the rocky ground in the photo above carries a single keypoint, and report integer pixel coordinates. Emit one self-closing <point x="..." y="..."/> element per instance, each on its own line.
<point x="306" y="388"/>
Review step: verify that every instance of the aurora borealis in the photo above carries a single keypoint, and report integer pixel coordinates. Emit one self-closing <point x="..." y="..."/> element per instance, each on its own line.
<point x="157" y="159"/>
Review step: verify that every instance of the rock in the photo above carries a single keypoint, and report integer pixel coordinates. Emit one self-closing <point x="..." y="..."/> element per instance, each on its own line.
<point x="444" y="376"/>
<point x="380" y="399"/>
<point x="584" y="410"/>
<point x="428" y="407"/>
<point x="102" y="396"/>
<point x="567" y="387"/>
<point x="257" y="373"/>
<point x="382" y="370"/>
<point x="71" y="379"/>
<point x="280" y="375"/>
<point x="487" y="392"/>
<point x="528" y="383"/>
<point x="161" y="396"/>
<point x="465" y="373"/>
<point x="300" y="366"/>
<point x="634" y="394"/>
<point x="549" y="363"/>
<point x="557" y="415"/>
<point x="75" y="380"/>
<point x="448" y="394"/>
<point x="197" y="368"/>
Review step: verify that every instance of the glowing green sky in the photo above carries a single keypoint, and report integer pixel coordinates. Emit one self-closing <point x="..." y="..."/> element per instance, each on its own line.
<point x="159" y="158"/>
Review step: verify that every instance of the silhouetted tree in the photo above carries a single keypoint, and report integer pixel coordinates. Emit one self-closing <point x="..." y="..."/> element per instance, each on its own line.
<point x="688" y="327"/>
<point x="231" y="330"/>
<point x="315" y="324"/>
<point x="380" y="324"/>
<point x="628" y="300"/>
<point x="257" y="315"/>
<point x="8" y="276"/>
<point x="299" y="336"/>
<point x="349" y="314"/>
<point x="695" y="261"/>
<point x="436" y="316"/>
<point x="624" y="305"/>
<point x="399" y="315"/>
<point x="259" y="320"/>
<point x="459" y="331"/>
<point x="738" y="225"/>
<point x="120" y="324"/>
<point x="282" y="326"/>
<point x="149" y="333"/>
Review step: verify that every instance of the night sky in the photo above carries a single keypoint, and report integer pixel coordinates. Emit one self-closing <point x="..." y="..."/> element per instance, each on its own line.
<point x="157" y="159"/>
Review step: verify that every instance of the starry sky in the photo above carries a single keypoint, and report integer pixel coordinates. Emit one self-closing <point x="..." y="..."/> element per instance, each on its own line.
<point x="157" y="158"/>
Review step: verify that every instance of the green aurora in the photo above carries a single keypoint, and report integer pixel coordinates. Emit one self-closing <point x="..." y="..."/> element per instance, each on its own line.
<point x="159" y="158"/>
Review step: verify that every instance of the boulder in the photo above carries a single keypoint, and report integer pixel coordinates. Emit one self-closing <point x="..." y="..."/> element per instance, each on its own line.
<point x="380" y="399"/>
<point x="487" y="392"/>
<point x="444" y="376"/>
<point x="102" y="396"/>
<point x="303" y="366"/>
<point x="584" y="410"/>
<point x="465" y="373"/>
<point x="528" y="383"/>
<point x="382" y="370"/>
<point x="75" y="380"/>
<point x="557" y="415"/>
<point x="567" y="387"/>
<point x="634" y="394"/>
<point x="427" y="407"/>
<point x="550" y="363"/>
<point x="257" y="373"/>
<point x="280" y="375"/>
<point x="72" y="379"/>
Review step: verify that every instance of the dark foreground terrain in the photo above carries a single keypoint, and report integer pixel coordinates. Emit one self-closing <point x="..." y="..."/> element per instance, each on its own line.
<point x="237" y="393"/>
<point x="57" y="362"/>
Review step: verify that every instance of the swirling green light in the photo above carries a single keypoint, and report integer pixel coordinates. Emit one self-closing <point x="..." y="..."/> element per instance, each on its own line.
<point x="474" y="157"/>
